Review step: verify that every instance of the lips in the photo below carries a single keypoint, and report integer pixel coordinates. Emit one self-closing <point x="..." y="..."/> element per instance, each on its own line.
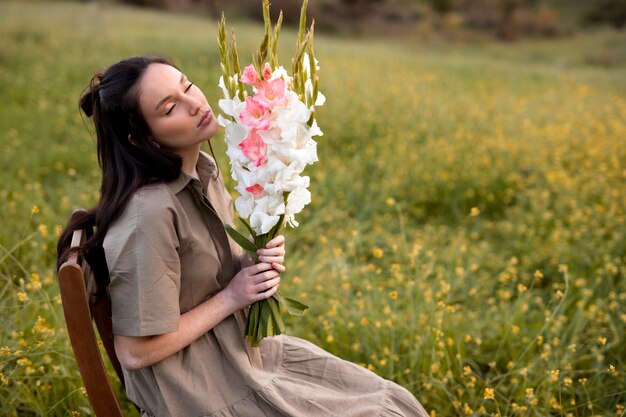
<point x="205" y="119"/>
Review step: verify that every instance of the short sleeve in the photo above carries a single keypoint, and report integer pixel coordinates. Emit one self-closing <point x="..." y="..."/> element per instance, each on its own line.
<point x="141" y="249"/>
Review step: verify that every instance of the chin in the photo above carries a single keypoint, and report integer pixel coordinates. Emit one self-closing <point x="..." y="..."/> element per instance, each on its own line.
<point x="212" y="130"/>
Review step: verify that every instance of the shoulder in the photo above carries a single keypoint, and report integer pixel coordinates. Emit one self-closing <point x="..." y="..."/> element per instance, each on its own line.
<point x="148" y="207"/>
<point x="152" y="199"/>
<point x="149" y="216"/>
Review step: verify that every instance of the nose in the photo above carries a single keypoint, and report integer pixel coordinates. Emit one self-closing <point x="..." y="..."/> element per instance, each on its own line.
<point x="194" y="105"/>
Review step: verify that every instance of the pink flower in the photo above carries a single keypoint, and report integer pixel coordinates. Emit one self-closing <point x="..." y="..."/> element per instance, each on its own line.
<point x="255" y="190"/>
<point x="267" y="72"/>
<point x="256" y="114"/>
<point x="272" y="92"/>
<point x="254" y="148"/>
<point x="250" y="76"/>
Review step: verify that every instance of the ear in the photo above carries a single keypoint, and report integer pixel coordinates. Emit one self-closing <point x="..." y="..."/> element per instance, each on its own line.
<point x="131" y="140"/>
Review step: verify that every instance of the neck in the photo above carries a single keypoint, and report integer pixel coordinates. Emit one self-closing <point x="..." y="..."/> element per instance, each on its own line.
<point x="190" y="160"/>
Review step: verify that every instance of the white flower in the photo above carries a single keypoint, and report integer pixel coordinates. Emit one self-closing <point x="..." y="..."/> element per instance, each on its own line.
<point x="241" y="174"/>
<point x="244" y="205"/>
<point x="232" y="107"/>
<point x="315" y="130"/>
<point x="235" y="133"/>
<point x="280" y="72"/>
<point x="305" y="156"/>
<point x="289" y="147"/>
<point x="287" y="183"/>
<point x="295" y="203"/>
<point x="267" y="211"/>
<point x="320" y="100"/>
<point x="222" y="85"/>
<point x="306" y="64"/>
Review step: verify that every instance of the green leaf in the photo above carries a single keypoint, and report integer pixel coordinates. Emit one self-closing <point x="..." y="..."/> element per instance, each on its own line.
<point x="274" y="61"/>
<point x="252" y="233"/>
<point x="294" y="307"/>
<point x="236" y="67"/>
<point x="264" y="321"/>
<point x="240" y="239"/>
<point x="276" y="315"/>
<point x="274" y="231"/>
<point x="252" y="321"/>
<point x="302" y="23"/>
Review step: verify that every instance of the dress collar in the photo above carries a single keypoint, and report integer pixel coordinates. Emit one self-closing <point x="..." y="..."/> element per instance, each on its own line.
<point x="207" y="171"/>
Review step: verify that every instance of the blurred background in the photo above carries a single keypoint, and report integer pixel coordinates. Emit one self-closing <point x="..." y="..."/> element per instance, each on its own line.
<point x="504" y="19"/>
<point x="467" y="231"/>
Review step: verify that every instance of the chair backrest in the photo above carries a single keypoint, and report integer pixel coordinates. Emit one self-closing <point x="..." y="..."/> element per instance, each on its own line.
<point x="83" y="302"/>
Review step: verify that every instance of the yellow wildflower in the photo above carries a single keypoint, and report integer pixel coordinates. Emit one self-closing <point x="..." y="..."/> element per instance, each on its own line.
<point x="612" y="370"/>
<point x="489" y="394"/>
<point x="554" y="375"/>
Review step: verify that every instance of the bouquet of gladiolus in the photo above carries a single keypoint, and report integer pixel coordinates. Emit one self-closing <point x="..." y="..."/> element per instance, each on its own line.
<point x="269" y="128"/>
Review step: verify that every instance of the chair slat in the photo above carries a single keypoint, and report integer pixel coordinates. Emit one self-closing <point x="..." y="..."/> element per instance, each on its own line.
<point x="78" y="317"/>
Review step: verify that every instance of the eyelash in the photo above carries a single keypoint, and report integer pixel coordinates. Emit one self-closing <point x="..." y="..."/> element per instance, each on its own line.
<point x="172" y="108"/>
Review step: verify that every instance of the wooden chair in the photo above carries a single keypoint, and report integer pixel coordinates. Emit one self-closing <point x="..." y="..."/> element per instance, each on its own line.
<point x="83" y="301"/>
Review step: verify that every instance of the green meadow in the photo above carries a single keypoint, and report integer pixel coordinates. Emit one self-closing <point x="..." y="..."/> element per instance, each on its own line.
<point x="467" y="235"/>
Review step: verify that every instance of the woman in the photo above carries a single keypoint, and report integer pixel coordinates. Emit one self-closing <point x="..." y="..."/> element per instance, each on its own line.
<point x="179" y="287"/>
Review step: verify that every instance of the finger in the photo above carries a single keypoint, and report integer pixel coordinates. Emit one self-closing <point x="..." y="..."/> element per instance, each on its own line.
<point x="270" y="256"/>
<point x="277" y="241"/>
<point x="279" y="267"/>
<point x="267" y="294"/>
<point x="267" y="284"/>
<point x="278" y="250"/>
<point x="264" y="276"/>
<point x="258" y="268"/>
<point x="273" y="259"/>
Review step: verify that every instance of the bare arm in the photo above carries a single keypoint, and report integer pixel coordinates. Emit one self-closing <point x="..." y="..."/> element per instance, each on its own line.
<point x="251" y="284"/>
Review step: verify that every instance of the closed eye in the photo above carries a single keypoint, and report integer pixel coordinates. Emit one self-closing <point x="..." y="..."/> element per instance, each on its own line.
<point x="174" y="105"/>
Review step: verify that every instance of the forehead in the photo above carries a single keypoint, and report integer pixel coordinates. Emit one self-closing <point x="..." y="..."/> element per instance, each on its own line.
<point x="157" y="82"/>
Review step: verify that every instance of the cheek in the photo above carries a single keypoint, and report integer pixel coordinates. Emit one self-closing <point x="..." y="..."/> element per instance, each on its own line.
<point x="165" y="128"/>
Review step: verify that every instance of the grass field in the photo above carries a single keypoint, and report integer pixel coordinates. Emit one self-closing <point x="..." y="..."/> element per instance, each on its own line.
<point x="467" y="232"/>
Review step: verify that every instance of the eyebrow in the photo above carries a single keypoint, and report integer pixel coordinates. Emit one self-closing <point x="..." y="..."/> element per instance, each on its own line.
<point x="182" y="78"/>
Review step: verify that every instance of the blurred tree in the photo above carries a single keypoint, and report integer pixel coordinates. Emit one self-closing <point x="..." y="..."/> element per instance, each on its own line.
<point x="507" y="28"/>
<point x="611" y="11"/>
<point x="162" y="4"/>
<point x="443" y="6"/>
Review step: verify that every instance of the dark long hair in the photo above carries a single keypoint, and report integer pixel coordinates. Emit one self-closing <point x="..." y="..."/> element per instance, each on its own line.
<point x="127" y="154"/>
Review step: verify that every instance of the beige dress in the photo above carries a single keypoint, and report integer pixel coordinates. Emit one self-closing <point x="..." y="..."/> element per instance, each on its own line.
<point x="168" y="252"/>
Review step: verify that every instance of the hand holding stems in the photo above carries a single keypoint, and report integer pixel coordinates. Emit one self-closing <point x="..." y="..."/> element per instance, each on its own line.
<point x="274" y="253"/>
<point x="259" y="281"/>
<point x="253" y="283"/>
